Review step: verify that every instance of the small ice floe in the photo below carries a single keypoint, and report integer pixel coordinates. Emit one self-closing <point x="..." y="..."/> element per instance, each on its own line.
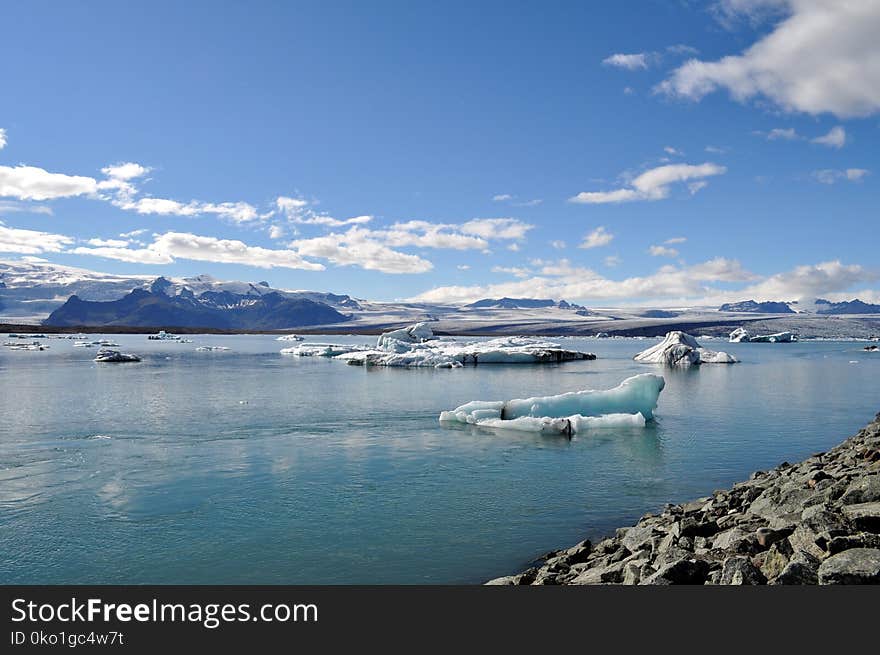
<point x="871" y="349"/>
<point x="417" y="346"/>
<point x="115" y="357"/>
<point x="741" y="335"/>
<point x="34" y="345"/>
<point x="210" y="349"/>
<point x="681" y="349"/>
<point x="162" y="335"/>
<point x="630" y="404"/>
<point x="290" y="337"/>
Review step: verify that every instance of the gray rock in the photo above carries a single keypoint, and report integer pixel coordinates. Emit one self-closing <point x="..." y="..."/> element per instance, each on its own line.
<point x="729" y="538"/>
<point x="859" y="540"/>
<point x="804" y="539"/>
<point x="865" y="489"/>
<point x="638" y="538"/>
<point x="865" y="516"/>
<point x="853" y="566"/>
<point x="683" y="571"/>
<point x="781" y="505"/>
<point x="741" y="571"/>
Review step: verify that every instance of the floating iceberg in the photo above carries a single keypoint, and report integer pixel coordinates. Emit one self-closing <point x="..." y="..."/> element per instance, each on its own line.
<point x="209" y="349"/>
<point x="322" y="350"/>
<point x="290" y="337"/>
<point x="417" y="333"/>
<point x="629" y="404"/>
<point x="416" y="346"/>
<point x="742" y="335"/>
<point x="114" y="356"/>
<point x="680" y="349"/>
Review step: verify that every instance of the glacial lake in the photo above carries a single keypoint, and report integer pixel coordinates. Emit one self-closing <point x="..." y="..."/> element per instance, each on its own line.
<point x="248" y="466"/>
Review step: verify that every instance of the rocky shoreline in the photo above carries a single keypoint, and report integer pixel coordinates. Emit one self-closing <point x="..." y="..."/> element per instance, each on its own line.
<point x="814" y="522"/>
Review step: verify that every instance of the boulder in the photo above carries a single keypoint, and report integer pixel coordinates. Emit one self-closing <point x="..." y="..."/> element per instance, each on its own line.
<point x="853" y="566"/>
<point x="741" y="571"/>
<point x="684" y="571"/>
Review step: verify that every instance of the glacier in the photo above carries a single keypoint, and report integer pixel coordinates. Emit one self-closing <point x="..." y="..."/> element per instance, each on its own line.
<point x="416" y="346"/>
<point x="681" y="349"/>
<point x="630" y="404"/>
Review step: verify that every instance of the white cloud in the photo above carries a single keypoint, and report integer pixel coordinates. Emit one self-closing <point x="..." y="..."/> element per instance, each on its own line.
<point x="675" y="152"/>
<point x="563" y="280"/>
<point x="125" y="171"/>
<point x="357" y="247"/>
<point x="463" y="267"/>
<point x="830" y="175"/>
<point x="31" y="242"/>
<point x="674" y="240"/>
<point x="512" y="270"/>
<point x="662" y="251"/>
<point x="836" y="138"/>
<point x="32" y="183"/>
<point x="822" y="57"/>
<point x="693" y="284"/>
<point x="559" y="244"/>
<point x="597" y="238"/>
<point x="171" y="246"/>
<point x="653" y="184"/>
<point x="109" y="243"/>
<point x="2" y="138"/>
<point x="298" y="211"/>
<point x="783" y="134"/>
<point x="694" y="187"/>
<point x="502" y="197"/>
<point x="631" y="62"/>
<point x="811" y="281"/>
<point x="238" y="212"/>
<point x="497" y="228"/>
<point x="16" y="207"/>
<point x="715" y="150"/>
<point x="133" y="233"/>
<point x="276" y="231"/>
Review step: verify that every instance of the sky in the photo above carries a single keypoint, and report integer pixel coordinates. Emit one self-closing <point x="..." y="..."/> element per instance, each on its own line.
<point x="633" y="153"/>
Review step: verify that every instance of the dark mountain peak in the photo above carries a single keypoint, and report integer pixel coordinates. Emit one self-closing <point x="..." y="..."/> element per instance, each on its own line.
<point x="854" y="306"/>
<point x="263" y="283"/>
<point x="212" y="309"/>
<point x="161" y="286"/>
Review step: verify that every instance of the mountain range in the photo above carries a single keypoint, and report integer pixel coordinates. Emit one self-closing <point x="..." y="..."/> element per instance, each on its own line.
<point x="162" y="305"/>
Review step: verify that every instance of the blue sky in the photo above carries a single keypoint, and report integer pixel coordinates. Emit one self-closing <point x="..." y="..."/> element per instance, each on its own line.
<point x="703" y="151"/>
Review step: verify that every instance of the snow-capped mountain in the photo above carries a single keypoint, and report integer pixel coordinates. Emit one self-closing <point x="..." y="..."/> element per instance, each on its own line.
<point x="32" y="289"/>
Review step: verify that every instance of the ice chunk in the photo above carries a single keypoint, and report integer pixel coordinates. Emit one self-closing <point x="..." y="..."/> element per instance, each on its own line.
<point x="681" y="349"/>
<point x="743" y="335"/>
<point x="627" y="405"/>
<point x="322" y="349"/>
<point x="416" y="346"/>
<point x="739" y="335"/>
<point x="417" y="333"/>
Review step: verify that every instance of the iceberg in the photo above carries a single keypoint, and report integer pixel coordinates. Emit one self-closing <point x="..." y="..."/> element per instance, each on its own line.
<point x="742" y="335"/>
<point x="290" y="337"/>
<point x="681" y="349"/>
<point x="417" y="347"/>
<point x="630" y="404"/>
<point x="416" y="333"/>
<point x="114" y="356"/>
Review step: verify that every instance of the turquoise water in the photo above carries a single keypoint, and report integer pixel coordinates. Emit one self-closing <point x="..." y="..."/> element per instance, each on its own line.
<point x="251" y="467"/>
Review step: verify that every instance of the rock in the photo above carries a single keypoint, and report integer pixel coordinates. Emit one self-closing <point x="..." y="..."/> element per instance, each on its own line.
<point x="578" y="554"/>
<point x="729" y="538"/>
<point x="776" y="559"/>
<point x="781" y="505"/>
<point x="741" y="571"/>
<point x="860" y="540"/>
<point x="632" y="573"/>
<point x="692" y="527"/>
<point x="853" y="566"/>
<point x="637" y="538"/>
<point x="804" y="539"/>
<point x="683" y="571"/>
<point x="865" y="516"/>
